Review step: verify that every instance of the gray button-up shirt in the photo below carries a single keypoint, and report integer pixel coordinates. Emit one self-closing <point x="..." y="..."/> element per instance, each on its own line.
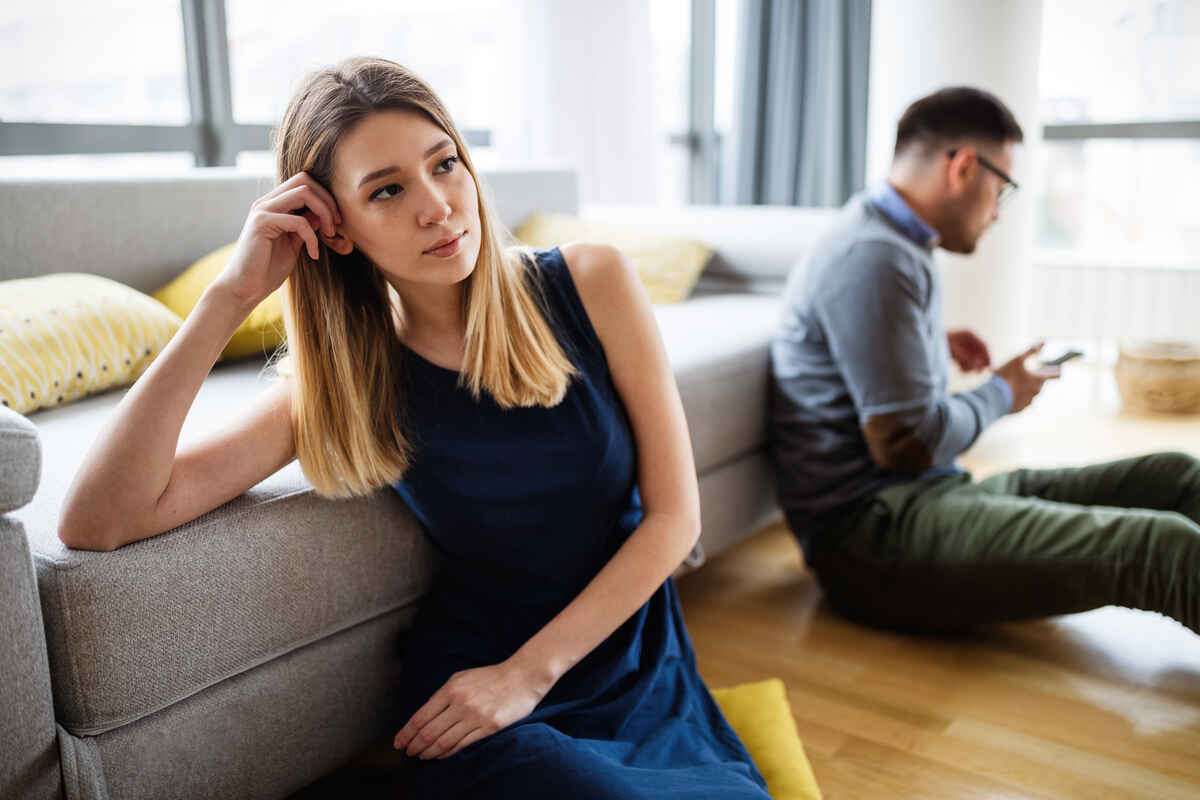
<point x="862" y="335"/>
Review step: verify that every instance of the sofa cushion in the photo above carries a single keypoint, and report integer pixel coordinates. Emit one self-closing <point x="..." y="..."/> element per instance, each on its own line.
<point x="719" y="351"/>
<point x="262" y="330"/>
<point x="761" y="716"/>
<point x="137" y="629"/>
<point x="70" y="334"/>
<point x="756" y="247"/>
<point x="668" y="267"/>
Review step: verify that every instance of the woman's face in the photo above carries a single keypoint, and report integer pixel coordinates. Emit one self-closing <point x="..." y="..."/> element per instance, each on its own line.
<point x="406" y="200"/>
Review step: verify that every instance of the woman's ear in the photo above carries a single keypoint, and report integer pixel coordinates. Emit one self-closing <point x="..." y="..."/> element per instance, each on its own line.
<point x="338" y="243"/>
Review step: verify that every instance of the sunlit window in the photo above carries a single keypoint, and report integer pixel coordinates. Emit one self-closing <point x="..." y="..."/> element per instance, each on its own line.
<point x="118" y="61"/>
<point x="463" y="48"/>
<point x="1120" y="201"/>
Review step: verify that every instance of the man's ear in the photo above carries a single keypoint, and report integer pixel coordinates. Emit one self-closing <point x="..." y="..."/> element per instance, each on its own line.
<point x="961" y="167"/>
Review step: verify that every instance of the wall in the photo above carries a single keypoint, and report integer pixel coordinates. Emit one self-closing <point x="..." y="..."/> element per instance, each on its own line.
<point x="587" y="97"/>
<point x="918" y="46"/>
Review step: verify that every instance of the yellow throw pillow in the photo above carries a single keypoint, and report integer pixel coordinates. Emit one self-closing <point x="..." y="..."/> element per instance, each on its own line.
<point x="760" y="715"/>
<point x="668" y="267"/>
<point x="67" y="335"/>
<point x="260" y="333"/>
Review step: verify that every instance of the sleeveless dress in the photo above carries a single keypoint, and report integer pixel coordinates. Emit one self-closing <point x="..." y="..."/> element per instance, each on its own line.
<point x="525" y="506"/>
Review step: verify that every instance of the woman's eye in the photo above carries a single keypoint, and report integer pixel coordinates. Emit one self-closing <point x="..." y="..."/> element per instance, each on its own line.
<point x="384" y="189"/>
<point x="446" y="162"/>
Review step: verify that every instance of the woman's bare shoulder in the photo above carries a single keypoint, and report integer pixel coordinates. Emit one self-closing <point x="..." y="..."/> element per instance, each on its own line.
<point x="607" y="284"/>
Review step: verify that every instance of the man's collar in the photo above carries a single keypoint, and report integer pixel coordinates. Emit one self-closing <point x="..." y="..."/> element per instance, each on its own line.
<point x="885" y="197"/>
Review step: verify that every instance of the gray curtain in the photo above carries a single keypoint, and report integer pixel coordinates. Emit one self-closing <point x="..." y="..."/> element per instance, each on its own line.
<point x="802" y="121"/>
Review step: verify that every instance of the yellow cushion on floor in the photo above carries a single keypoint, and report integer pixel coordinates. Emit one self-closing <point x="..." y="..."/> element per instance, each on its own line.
<point x="260" y="333"/>
<point x="760" y="714"/>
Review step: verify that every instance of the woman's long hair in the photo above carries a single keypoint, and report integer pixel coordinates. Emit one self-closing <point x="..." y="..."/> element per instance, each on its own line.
<point x="342" y="317"/>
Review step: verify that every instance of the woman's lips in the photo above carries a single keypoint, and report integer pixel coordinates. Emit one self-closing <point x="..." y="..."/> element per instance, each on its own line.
<point x="449" y="248"/>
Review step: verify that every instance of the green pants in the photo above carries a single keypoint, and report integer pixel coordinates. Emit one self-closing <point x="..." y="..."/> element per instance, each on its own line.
<point x="944" y="554"/>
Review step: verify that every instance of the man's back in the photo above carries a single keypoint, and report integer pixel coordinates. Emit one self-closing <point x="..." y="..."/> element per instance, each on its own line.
<point x="835" y="361"/>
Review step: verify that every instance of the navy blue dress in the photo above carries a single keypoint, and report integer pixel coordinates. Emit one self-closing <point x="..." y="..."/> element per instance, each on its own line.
<point x="525" y="506"/>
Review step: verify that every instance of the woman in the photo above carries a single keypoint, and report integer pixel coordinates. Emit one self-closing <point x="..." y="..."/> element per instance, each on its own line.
<point x="522" y="405"/>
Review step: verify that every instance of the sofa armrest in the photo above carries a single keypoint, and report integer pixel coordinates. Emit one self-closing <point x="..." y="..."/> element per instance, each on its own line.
<point x="20" y="460"/>
<point x="29" y="754"/>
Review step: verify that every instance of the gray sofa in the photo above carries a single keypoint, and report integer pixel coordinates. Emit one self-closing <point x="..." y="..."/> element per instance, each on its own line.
<point x="256" y="648"/>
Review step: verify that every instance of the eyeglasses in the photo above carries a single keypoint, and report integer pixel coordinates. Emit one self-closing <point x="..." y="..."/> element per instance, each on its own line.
<point x="1007" y="190"/>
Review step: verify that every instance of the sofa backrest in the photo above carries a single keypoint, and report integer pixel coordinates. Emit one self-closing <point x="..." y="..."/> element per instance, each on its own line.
<point x="143" y="231"/>
<point x="756" y="246"/>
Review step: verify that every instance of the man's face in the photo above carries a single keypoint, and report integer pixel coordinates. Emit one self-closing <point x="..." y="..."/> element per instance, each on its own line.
<point x="975" y="192"/>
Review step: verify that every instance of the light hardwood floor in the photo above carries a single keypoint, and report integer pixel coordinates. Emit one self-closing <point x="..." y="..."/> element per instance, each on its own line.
<point x="1104" y="704"/>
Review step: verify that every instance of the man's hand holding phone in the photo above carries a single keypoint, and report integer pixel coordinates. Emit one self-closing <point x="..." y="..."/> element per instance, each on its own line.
<point x="1057" y="362"/>
<point x="1026" y="383"/>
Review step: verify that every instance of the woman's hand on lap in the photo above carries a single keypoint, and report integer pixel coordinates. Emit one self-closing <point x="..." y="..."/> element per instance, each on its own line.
<point x="473" y="704"/>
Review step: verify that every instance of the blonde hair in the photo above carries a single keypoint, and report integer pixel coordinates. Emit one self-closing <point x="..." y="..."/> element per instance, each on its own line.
<point x="341" y="315"/>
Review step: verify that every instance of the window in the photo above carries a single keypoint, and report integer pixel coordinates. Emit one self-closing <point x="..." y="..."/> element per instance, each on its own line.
<point x="269" y="52"/>
<point x="137" y="85"/>
<point x="55" y="68"/>
<point x="695" y="92"/>
<point x="109" y="164"/>
<point x="1120" y="96"/>
<point x="1120" y="61"/>
<point x="670" y="26"/>
<point x="1121" y="202"/>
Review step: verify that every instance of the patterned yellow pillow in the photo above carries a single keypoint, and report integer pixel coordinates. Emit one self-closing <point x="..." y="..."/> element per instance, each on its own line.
<point x="70" y="334"/>
<point x="760" y="715"/>
<point x="260" y="333"/>
<point x="668" y="267"/>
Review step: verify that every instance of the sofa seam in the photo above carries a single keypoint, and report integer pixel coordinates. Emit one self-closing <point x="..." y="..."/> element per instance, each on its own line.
<point x="79" y="698"/>
<point x="96" y="730"/>
<point x="66" y="756"/>
<point x="101" y="777"/>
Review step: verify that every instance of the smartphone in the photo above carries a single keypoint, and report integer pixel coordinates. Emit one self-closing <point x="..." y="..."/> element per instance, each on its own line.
<point x="1064" y="358"/>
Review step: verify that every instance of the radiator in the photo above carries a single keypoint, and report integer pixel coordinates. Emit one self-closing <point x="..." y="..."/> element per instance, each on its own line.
<point x="1108" y="302"/>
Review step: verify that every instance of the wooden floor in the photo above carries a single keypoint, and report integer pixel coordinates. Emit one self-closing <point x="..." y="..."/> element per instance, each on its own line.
<point x="1098" y="705"/>
<point x="1104" y="704"/>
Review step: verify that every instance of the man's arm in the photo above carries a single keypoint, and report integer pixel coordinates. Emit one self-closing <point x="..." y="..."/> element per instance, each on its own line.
<point x="881" y="338"/>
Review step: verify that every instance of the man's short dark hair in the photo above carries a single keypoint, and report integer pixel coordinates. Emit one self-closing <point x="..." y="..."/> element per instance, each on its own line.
<point x="956" y="112"/>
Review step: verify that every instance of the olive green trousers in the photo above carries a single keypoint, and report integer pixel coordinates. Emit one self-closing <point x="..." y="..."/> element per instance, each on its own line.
<point x="945" y="554"/>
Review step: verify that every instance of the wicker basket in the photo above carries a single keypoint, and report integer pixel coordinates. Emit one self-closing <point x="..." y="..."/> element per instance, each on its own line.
<point x="1159" y="377"/>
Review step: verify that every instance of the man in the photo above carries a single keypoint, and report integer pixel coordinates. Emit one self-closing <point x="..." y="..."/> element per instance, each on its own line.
<point x="864" y="434"/>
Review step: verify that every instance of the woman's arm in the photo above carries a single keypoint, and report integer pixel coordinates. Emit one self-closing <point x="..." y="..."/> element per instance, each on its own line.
<point x="132" y="483"/>
<point x="476" y="703"/>
<point x="127" y="469"/>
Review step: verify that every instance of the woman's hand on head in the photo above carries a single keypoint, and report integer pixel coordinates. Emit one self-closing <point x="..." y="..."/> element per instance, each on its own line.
<point x="278" y="225"/>
<point x="473" y="704"/>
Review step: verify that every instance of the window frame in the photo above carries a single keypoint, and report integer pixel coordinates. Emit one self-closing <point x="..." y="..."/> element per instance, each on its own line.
<point x="1138" y="129"/>
<point x="213" y="136"/>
